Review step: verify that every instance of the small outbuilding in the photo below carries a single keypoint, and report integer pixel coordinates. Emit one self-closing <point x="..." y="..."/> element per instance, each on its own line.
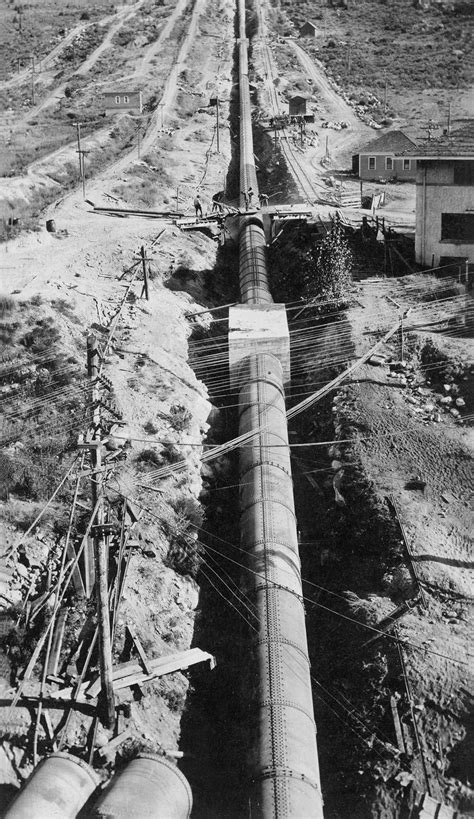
<point x="380" y="158"/>
<point x="121" y="102"/>
<point x="297" y="106"/>
<point x="308" y="29"/>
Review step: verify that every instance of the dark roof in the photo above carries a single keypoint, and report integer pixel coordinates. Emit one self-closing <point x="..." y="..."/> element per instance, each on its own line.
<point x="300" y="97"/>
<point x="457" y="144"/>
<point x="393" y="142"/>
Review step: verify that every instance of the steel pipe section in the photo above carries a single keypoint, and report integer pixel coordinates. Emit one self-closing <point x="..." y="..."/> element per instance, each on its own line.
<point x="149" y="787"/>
<point x="58" y="788"/>
<point x="285" y="760"/>
<point x="252" y="263"/>
<point x="284" y="763"/>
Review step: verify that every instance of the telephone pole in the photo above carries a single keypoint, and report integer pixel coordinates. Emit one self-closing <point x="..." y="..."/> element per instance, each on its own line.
<point x="99" y="530"/>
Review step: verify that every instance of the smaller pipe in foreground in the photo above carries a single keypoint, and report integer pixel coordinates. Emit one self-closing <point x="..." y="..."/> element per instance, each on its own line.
<point x="58" y="788"/>
<point x="150" y="787"/>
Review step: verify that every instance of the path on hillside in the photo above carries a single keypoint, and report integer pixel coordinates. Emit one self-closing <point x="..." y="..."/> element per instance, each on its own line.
<point x="334" y="106"/>
<point x="152" y="51"/>
<point x="122" y="16"/>
<point x="57" y="92"/>
<point x="40" y="171"/>
<point x="163" y="109"/>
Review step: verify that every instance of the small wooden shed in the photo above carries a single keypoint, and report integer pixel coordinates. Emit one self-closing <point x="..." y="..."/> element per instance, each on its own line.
<point x="308" y="29"/>
<point x="121" y="101"/>
<point x="297" y="106"/>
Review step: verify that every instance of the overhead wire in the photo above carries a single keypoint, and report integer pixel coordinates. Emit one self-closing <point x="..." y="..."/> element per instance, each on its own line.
<point x="301" y="597"/>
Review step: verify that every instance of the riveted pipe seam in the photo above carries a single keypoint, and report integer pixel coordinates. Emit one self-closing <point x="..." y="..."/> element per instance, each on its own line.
<point x="264" y="499"/>
<point x="273" y="464"/>
<point x="286" y="772"/>
<point x="284" y="641"/>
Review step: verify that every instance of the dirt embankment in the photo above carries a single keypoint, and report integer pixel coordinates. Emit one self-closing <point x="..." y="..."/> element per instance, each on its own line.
<point x="404" y="473"/>
<point x="62" y="286"/>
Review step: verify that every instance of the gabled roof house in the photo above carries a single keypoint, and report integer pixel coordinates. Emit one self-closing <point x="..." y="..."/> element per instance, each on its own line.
<point x="380" y="158"/>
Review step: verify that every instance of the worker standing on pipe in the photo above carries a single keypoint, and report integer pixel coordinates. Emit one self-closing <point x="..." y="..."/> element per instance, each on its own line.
<point x="198" y="206"/>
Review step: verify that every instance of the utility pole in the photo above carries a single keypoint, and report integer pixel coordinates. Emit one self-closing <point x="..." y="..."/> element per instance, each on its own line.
<point x="139" y="134"/>
<point x="161" y="106"/>
<point x="215" y="101"/>
<point x="349" y="58"/>
<point x="81" y="153"/>
<point x="449" y="118"/>
<point x="145" y="273"/>
<point x="177" y="199"/>
<point x="385" y="97"/>
<point x="100" y="541"/>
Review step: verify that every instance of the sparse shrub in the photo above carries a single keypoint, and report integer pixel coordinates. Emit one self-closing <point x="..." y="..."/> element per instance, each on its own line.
<point x="149" y="457"/>
<point x="179" y="417"/>
<point x="189" y="510"/>
<point x="7" y="305"/>
<point x="150" y="428"/>
<point x="171" y="454"/>
<point x="7" y="475"/>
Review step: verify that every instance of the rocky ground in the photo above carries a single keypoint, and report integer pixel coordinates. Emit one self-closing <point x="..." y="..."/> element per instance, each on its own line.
<point x="406" y="442"/>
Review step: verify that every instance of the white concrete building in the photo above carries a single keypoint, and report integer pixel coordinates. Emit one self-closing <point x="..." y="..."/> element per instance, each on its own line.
<point x="444" y="232"/>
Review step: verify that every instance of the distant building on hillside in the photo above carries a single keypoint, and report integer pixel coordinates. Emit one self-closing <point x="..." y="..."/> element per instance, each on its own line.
<point x="444" y="231"/>
<point x="380" y="158"/>
<point x="123" y="101"/>
<point x="308" y="29"/>
<point x="297" y="106"/>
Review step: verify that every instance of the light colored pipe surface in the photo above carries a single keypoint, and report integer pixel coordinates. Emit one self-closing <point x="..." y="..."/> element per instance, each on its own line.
<point x="58" y="788"/>
<point x="149" y="787"/>
<point x="285" y="761"/>
<point x="284" y="757"/>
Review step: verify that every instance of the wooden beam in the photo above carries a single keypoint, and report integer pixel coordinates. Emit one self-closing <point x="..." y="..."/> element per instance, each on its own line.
<point x="128" y="674"/>
<point x="141" y="652"/>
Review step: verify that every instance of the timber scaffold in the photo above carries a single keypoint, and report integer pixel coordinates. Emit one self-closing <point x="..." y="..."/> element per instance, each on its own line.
<point x="284" y="765"/>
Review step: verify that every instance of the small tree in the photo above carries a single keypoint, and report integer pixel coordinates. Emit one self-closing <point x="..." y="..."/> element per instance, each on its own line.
<point x="328" y="269"/>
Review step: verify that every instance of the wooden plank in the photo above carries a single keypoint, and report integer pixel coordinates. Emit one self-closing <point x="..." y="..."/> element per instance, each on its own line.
<point x="122" y="674"/>
<point x="141" y="651"/>
<point x="114" y="743"/>
<point x="58" y="638"/>
<point x="49" y="729"/>
<point x="396" y="722"/>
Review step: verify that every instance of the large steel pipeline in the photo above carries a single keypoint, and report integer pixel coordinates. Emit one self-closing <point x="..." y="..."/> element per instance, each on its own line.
<point x="58" y="788"/>
<point x="61" y="785"/>
<point x="150" y="787"/>
<point x="285" y="770"/>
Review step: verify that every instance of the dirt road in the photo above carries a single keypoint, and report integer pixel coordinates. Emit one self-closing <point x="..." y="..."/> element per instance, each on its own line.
<point x="333" y="108"/>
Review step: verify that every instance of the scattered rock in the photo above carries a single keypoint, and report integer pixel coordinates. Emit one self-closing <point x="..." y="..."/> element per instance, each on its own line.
<point x="460" y="402"/>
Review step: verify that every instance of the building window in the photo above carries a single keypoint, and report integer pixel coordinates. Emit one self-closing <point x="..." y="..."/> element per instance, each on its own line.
<point x="457" y="227"/>
<point x="407" y="164"/>
<point x="464" y="173"/>
<point x="117" y="100"/>
<point x="388" y="163"/>
<point x="125" y="99"/>
<point x="371" y="163"/>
